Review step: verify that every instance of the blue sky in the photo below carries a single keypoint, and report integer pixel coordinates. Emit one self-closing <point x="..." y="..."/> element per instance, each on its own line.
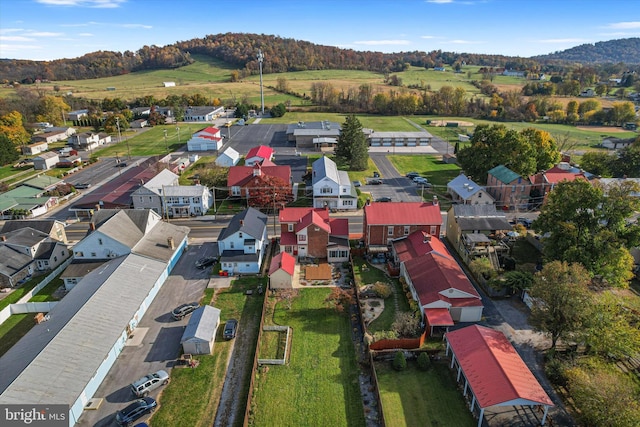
<point x="54" y="29"/>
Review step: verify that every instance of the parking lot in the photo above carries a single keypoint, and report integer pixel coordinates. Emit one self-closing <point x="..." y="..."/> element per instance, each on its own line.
<point x="155" y="343"/>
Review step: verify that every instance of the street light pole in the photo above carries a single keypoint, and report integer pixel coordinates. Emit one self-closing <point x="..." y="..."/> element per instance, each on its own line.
<point x="178" y="129"/>
<point x="260" y="60"/>
<point x="165" y="141"/>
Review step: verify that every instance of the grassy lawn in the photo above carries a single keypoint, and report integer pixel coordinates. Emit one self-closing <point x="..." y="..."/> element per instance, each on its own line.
<point x="14" y="328"/>
<point x="46" y="294"/>
<point x="272" y="344"/>
<point x="320" y="384"/>
<point x="192" y="397"/>
<point x="18" y="293"/>
<point x="421" y="398"/>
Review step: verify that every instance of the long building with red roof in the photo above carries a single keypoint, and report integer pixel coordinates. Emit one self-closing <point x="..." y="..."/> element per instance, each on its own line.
<point x="493" y="372"/>
<point x="242" y="178"/>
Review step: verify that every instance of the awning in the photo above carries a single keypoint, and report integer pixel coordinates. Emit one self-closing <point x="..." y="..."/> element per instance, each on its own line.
<point x="378" y="249"/>
<point x="438" y="317"/>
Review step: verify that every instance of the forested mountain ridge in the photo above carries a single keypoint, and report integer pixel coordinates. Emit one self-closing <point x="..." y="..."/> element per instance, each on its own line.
<point x="621" y="50"/>
<point x="286" y="54"/>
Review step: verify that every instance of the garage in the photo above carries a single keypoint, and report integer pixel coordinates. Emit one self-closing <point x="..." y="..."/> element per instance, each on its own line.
<point x="200" y="334"/>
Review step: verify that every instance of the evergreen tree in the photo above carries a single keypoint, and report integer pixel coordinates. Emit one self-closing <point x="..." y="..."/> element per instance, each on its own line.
<point x="8" y="152"/>
<point x="352" y="145"/>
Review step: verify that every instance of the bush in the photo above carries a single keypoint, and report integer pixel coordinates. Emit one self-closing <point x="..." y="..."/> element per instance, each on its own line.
<point x="406" y="325"/>
<point x="555" y="370"/>
<point x="382" y="290"/>
<point x="399" y="362"/>
<point x="424" y="362"/>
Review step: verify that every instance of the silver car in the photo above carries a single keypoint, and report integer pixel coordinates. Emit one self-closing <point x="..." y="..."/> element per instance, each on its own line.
<point x="148" y="383"/>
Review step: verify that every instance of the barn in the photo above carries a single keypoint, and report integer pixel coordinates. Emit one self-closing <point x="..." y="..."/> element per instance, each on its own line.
<point x="200" y="334"/>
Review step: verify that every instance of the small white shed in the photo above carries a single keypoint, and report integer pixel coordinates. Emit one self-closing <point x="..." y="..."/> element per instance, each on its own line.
<point x="228" y="158"/>
<point x="281" y="271"/>
<point x="46" y="160"/>
<point x="200" y="334"/>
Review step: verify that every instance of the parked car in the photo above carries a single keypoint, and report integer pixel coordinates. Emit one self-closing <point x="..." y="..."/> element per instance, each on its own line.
<point x="230" y="329"/>
<point x="140" y="407"/>
<point x="82" y="186"/>
<point x="357" y="184"/>
<point x="148" y="383"/>
<point x="419" y="178"/>
<point x="412" y="175"/>
<point x="383" y="199"/>
<point x="206" y="262"/>
<point x="525" y="221"/>
<point x="376" y="174"/>
<point x="183" y="310"/>
<point x="421" y="181"/>
<point x="375" y="181"/>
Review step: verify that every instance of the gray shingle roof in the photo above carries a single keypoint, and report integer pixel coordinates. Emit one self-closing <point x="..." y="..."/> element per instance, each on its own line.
<point x="324" y="167"/>
<point x="25" y="237"/>
<point x="203" y="324"/>
<point x="251" y="222"/>
<point x="12" y="261"/>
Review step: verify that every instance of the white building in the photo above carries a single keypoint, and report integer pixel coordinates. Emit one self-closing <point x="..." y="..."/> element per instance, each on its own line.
<point x="241" y="245"/>
<point x="332" y="187"/>
<point x="202" y="114"/>
<point x="200" y="334"/>
<point x="46" y="160"/>
<point x="149" y="195"/>
<point x="228" y="158"/>
<point x="207" y="139"/>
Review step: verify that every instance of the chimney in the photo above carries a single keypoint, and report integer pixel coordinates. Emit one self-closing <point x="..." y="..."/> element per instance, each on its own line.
<point x="92" y="226"/>
<point x="256" y="170"/>
<point x="241" y="222"/>
<point x="435" y="200"/>
<point x="3" y="238"/>
<point x="170" y="243"/>
<point x="98" y="207"/>
<point x="426" y="237"/>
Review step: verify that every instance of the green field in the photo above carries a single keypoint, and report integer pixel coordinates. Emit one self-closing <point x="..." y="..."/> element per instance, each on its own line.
<point x="150" y="142"/>
<point x="319" y="386"/>
<point x="421" y="398"/>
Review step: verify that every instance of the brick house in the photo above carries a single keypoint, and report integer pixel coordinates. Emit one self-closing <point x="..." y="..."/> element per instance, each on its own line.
<point x="385" y="222"/>
<point x="242" y="178"/>
<point x="510" y="190"/>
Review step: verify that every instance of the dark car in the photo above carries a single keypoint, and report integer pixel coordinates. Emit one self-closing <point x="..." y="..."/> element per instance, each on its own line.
<point x="376" y="174"/>
<point x="82" y="186"/>
<point x="383" y="199"/>
<point x="206" y="262"/>
<point x="375" y="181"/>
<point x="230" y="329"/>
<point x="412" y="175"/>
<point x="183" y="310"/>
<point x="137" y="409"/>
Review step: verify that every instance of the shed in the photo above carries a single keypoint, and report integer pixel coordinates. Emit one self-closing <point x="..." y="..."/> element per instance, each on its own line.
<point x="228" y="158"/>
<point x="281" y="271"/>
<point x="200" y="334"/>
<point x="46" y="160"/>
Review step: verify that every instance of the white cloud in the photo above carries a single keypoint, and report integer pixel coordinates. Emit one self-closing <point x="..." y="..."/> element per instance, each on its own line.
<point x="146" y="27"/>
<point x="560" y="41"/>
<point x="10" y="30"/>
<point x="382" y="42"/>
<point x="15" y="39"/>
<point x="102" y="4"/>
<point x="111" y="25"/>
<point x="85" y="34"/>
<point x="429" y="37"/>
<point x="17" y="47"/>
<point x="631" y="25"/>
<point x="43" y="34"/>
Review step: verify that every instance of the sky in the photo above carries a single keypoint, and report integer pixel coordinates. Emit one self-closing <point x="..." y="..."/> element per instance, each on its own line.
<point x="56" y="29"/>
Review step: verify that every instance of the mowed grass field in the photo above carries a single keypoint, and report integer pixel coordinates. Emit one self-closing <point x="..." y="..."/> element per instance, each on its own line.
<point x="319" y="386"/>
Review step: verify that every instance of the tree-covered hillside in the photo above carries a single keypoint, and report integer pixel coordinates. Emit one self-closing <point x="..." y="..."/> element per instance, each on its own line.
<point x="622" y="50"/>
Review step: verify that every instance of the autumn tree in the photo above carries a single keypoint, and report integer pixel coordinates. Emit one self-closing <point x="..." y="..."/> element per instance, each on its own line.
<point x="352" y="145"/>
<point x="268" y="192"/>
<point x="52" y="109"/>
<point x="12" y="127"/>
<point x="560" y="294"/>
<point x="340" y="299"/>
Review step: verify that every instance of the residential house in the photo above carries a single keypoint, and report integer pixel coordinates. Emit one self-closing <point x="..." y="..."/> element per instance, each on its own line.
<point x="436" y="281"/>
<point x="26" y="250"/>
<point x="385" y="222"/>
<point x="139" y="123"/>
<point x="258" y="155"/>
<point x="46" y="160"/>
<point x="470" y="229"/>
<point x="207" y="139"/>
<point x="281" y="271"/>
<point x="228" y="158"/>
<point x="77" y="115"/>
<point x="200" y="334"/>
<point x="85" y="140"/>
<point x="187" y="200"/>
<point x="150" y="194"/>
<point x="509" y="190"/>
<point x="607" y="183"/>
<point x="613" y="143"/>
<point x="310" y="232"/>
<point x="588" y="93"/>
<point x="332" y="188"/>
<point x="30" y="198"/>
<point x="35" y="148"/>
<point x="242" y="243"/>
<point x="543" y="183"/>
<point x="141" y="112"/>
<point x="51" y="136"/>
<point x="54" y="228"/>
<point x="77" y="270"/>
<point x="261" y="177"/>
<point x="202" y="114"/>
<point x="464" y="190"/>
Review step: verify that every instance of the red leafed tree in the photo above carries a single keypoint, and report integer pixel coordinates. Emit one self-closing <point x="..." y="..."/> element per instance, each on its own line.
<point x="267" y="192"/>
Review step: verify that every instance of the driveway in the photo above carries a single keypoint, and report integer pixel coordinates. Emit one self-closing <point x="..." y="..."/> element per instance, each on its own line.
<point x="395" y="186"/>
<point x="155" y="343"/>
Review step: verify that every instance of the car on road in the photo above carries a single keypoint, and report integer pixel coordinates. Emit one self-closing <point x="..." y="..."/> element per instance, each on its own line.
<point x="383" y="199"/>
<point x="375" y="181"/>
<point x="140" y="407"/>
<point x="206" y="262"/>
<point x="421" y="181"/>
<point x="230" y="329"/>
<point x="148" y="383"/>
<point x="184" y="310"/>
<point x="412" y="175"/>
<point x="357" y="184"/>
<point x="376" y="174"/>
<point x="82" y="186"/>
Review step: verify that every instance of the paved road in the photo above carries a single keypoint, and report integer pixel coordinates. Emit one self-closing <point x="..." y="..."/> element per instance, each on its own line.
<point x="395" y="186"/>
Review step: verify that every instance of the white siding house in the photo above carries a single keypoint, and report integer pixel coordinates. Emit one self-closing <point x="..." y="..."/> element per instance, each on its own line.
<point x="241" y="245"/>
<point x="46" y="160"/>
<point x="228" y="158"/>
<point x="331" y="187"/>
<point x="187" y="200"/>
<point x="200" y="334"/>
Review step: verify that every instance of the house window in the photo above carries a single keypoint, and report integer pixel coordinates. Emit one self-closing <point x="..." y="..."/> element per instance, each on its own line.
<point x="240" y="235"/>
<point x="79" y="254"/>
<point x="196" y="200"/>
<point x="344" y="190"/>
<point x="55" y="259"/>
<point x="433" y="230"/>
<point x="326" y="190"/>
<point x="141" y="199"/>
<point x="150" y="199"/>
<point x="93" y="254"/>
<point x="513" y="188"/>
<point x="406" y="230"/>
<point x="99" y="241"/>
<point x="62" y="253"/>
<point x="347" y="202"/>
<point x="480" y="195"/>
<point x="302" y="237"/>
<point x="231" y="245"/>
<point x="235" y="191"/>
<point x="390" y="230"/>
<point x="290" y="227"/>
<point x="287" y="249"/>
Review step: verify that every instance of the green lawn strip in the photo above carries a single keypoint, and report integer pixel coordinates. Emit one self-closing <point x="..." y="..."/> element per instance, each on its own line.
<point x="192" y="397"/>
<point x="194" y="168"/>
<point x="435" y="170"/>
<point x="46" y="293"/>
<point x="427" y="398"/>
<point x="14" y="328"/>
<point x="8" y="171"/>
<point x="18" y="293"/>
<point x="319" y="386"/>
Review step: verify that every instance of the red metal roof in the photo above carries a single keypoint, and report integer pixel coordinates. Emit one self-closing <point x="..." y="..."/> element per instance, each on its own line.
<point x="315" y="219"/>
<point x="240" y="175"/>
<point x="496" y="373"/>
<point x="418" y="243"/>
<point x="294" y="214"/>
<point x="403" y="213"/>
<point x="438" y="277"/>
<point x="282" y="261"/>
<point x="212" y="131"/>
<point x="288" y="238"/>
<point x="438" y="317"/>
<point x="261" y="151"/>
<point x="339" y="227"/>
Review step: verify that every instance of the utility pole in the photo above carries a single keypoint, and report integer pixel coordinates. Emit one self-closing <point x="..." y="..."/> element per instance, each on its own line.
<point x="165" y="141"/>
<point x="274" y="213"/>
<point x="178" y="129"/>
<point x="260" y="60"/>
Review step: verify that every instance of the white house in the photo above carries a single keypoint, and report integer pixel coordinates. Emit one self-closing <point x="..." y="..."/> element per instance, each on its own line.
<point x="241" y="245"/>
<point x="187" y="200"/>
<point x="85" y="140"/>
<point x="463" y="190"/>
<point x="258" y="155"/>
<point x="331" y="187"/>
<point x="169" y="84"/>
<point x="207" y="139"/>
<point x="149" y="195"/>
<point x="46" y="160"/>
<point x="200" y="334"/>
<point x="202" y="114"/>
<point x="77" y="114"/>
<point x="35" y="148"/>
<point x="228" y="158"/>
